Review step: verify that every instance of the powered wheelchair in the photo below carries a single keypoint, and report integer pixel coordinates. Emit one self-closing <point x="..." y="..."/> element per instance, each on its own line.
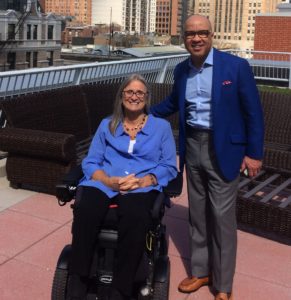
<point x="153" y="276"/>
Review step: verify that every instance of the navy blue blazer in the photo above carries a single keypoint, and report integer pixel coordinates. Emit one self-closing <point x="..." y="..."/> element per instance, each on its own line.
<point x="238" y="126"/>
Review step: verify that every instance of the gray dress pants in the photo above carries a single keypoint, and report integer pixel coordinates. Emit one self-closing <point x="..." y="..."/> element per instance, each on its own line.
<point x="212" y="218"/>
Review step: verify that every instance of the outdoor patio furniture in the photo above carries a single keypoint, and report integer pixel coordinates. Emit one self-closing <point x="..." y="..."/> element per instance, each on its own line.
<point x="48" y="132"/>
<point x="264" y="202"/>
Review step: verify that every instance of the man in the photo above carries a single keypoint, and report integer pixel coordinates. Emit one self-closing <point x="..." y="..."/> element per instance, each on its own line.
<point x="221" y="132"/>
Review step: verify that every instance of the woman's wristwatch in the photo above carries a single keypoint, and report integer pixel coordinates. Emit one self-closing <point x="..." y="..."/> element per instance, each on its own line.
<point x="153" y="179"/>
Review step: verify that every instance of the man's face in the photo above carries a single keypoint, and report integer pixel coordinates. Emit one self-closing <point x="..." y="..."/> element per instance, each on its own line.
<point x="198" y="38"/>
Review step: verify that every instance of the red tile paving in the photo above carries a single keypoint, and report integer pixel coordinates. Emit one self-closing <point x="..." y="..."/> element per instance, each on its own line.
<point x="33" y="232"/>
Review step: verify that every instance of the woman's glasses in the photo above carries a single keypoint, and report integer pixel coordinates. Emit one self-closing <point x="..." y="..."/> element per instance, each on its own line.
<point x="130" y="93"/>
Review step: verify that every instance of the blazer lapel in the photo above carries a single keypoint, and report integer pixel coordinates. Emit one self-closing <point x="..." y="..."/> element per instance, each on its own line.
<point x="216" y="80"/>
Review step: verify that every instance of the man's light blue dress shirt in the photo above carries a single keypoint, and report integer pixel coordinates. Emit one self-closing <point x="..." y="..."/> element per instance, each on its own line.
<point x="198" y="94"/>
<point x="154" y="152"/>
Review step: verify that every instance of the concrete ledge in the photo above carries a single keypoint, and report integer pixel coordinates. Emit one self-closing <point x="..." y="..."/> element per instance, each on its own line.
<point x="2" y="167"/>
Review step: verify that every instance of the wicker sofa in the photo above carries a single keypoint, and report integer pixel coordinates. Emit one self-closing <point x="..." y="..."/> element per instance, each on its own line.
<point x="264" y="202"/>
<point x="49" y="132"/>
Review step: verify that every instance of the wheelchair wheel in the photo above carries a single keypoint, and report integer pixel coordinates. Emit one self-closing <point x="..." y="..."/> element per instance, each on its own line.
<point x="60" y="284"/>
<point x="161" y="289"/>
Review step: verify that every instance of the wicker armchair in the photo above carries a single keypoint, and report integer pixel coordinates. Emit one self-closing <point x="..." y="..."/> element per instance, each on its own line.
<point x="47" y="133"/>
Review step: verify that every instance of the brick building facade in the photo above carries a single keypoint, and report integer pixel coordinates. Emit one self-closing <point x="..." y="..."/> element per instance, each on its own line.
<point x="273" y="33"/>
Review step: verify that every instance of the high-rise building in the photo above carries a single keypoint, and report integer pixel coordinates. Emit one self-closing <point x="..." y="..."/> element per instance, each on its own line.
<point x="163" y="16"/>
<point x="169" y="17"/>
<point x="134" y="16"/>
<point x="139" y="16"/>
<point x="81" y="10"/>
<point x="233" y="20"/>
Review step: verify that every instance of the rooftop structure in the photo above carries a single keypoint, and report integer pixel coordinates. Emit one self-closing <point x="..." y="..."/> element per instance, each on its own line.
<point x="34" y="229"/>
<point x="152" y="51"/>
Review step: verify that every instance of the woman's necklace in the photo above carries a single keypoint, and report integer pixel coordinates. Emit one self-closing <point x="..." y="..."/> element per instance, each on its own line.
<point x="132" y="131"/>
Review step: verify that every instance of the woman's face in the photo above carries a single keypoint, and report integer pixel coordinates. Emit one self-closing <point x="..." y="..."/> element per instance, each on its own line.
<point x="134" y="97"/>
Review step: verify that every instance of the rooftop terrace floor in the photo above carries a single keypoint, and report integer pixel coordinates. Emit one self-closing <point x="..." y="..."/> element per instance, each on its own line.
<point x="34" y="229"/>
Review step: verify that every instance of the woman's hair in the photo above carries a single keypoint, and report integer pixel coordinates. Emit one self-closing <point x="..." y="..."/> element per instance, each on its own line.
<point x="118" y="110"/>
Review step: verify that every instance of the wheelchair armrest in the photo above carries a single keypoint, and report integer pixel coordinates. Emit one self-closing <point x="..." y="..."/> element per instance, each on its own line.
<point x="66" y="190"/>
<point x="158" y="207"/>
<point x="73" y="176"/>
<point x="174" y="187"/>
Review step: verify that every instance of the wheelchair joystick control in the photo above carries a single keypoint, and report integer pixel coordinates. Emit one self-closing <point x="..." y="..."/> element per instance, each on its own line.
<point x="145" y="291"/>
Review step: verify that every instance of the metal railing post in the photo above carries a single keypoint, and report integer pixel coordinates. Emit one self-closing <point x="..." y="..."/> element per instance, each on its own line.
<point x="77" y="76"/>
<point x="162" y="74"/>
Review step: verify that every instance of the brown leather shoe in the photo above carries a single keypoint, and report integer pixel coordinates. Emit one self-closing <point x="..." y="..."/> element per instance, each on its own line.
<point x="224" y="296"/>
<point x="192" y="284"/>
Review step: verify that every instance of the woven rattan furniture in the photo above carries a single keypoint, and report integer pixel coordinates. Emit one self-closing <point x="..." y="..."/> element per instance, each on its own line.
<point x="264" y="205"/>
<point x="264" y="202"/>
<point x="49" y="132"/>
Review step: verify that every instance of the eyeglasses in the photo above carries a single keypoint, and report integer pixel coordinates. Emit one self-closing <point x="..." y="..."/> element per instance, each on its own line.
<point x="130" y="93"/>
<point x="201" y="33"/>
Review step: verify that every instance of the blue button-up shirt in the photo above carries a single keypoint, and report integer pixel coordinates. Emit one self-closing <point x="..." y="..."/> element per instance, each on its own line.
<point x="198" y="94"/>
<point x="154" y="152"/>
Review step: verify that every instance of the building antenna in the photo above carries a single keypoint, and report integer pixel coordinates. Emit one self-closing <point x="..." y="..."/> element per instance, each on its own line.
<point x="110" y="32"/>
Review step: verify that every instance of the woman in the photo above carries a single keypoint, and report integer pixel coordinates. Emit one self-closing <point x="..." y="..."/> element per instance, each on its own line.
<point x="131" y="157"/>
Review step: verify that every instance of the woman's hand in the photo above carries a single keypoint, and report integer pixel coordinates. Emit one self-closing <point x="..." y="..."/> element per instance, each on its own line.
<point x="112" y="182"/>
<point x="123" y="184"/>
<point x="128" y="183"/>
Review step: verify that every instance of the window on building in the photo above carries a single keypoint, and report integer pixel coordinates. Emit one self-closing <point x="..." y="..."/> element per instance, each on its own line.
<point x="28" y="32"/>
<point x="11" y="60"/>
<point x="35" y="32"/>
<point x="50" y="32"/>
<point x="34" y="59"/>
<point x="28" y="57"/>
<point x="50" y="57"/>
<point x="12" y="4"/>
<point x="11" y="32"/>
